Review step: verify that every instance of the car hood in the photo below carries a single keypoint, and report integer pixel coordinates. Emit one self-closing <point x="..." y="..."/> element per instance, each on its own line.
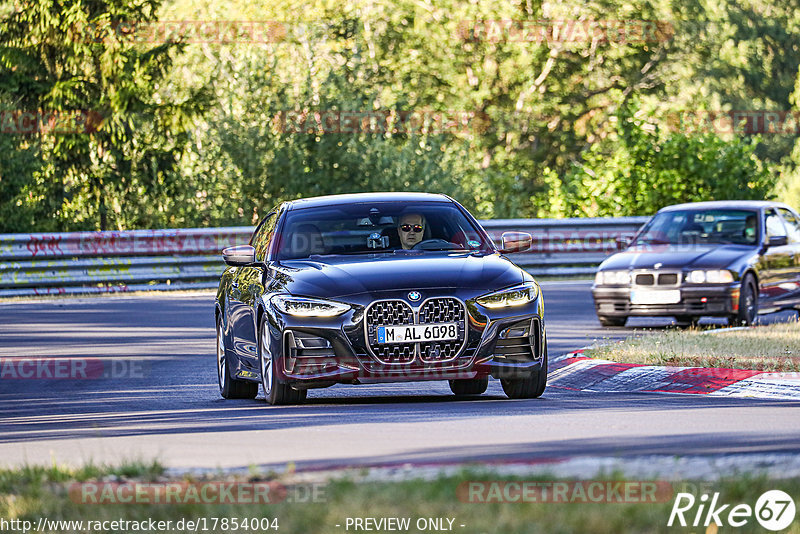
<point x="340" y="276"/>
<point x="676" y="257"/>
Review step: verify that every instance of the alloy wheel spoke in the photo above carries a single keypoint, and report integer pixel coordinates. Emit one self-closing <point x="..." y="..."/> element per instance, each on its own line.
<point x="266" y="364"/>
<point x="220" y="357"/>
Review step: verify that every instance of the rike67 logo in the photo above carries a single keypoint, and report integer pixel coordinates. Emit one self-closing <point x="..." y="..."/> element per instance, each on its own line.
<point x="774" y="510"/>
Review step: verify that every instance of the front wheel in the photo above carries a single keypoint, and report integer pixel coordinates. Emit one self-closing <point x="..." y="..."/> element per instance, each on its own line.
<point x="748" y="303"/>
<point x="527" y="388"/>
<point x="229" y="387"/>
<point x="275" y="392"/>
<point x="471" y="386"/>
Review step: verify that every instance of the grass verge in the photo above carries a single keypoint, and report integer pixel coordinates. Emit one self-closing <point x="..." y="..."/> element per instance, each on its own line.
<point x="774" y="347"/>
<point x="31" y="493"/>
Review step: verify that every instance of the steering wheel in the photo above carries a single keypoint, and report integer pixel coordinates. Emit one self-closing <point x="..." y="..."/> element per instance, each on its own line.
<point x="436" y="244"/>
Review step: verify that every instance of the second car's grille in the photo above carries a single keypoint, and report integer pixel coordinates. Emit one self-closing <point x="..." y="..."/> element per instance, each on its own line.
<point x="660" y="279"/>
<point x="398" y="312"/>
<point x="667" y="279"/>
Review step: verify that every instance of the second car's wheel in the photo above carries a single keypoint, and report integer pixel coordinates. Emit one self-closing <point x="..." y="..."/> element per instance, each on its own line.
<point x="527" y="388"/>
<point x="607" y="320"/>
<point x="229" y="387"/>
<point x="748" y="303"/>
<point x="275" y="392"/>
<point x="471" y="386"/>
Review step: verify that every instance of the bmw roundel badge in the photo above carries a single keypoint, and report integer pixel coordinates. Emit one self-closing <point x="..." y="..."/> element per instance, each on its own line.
<point x="414" y="295"/>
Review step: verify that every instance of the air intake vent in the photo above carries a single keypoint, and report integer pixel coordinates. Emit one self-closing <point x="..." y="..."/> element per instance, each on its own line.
<point x="521" y="342"/>
<point x="307" y="354"/>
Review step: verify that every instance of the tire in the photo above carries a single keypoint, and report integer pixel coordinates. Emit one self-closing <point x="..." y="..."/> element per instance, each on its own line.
<point x="607" y="320"/>
<point x="748" y="303"/>
<point x="527" y="388"/>
<point x="471" y="386"/>
<point x="687" y="320"/>
<point x="229" y="387"/>
<point x="275" y="393"/>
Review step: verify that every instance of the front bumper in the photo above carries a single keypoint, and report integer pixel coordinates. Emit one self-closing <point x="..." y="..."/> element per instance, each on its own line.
<point x="319" y="352"/>
<point x="696" y="300"/>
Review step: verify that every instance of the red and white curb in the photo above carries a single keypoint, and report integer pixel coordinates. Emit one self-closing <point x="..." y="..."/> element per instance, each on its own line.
<point x="581" y="373"/>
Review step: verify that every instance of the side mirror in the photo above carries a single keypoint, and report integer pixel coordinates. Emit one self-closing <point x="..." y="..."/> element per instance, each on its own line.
<point x="239" y="255"/>
<point x="777" y="241"/>
<point x="623" y="242"/>
<point x="515" y="242"/>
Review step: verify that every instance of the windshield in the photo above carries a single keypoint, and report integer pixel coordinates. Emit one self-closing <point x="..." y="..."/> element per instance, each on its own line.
<point x="701" y="227"/>
<point x="377" y="227"/>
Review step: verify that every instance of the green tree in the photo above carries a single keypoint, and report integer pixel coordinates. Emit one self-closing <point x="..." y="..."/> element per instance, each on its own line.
<point x="646" y="168"/>
<point x="121" y="170"/>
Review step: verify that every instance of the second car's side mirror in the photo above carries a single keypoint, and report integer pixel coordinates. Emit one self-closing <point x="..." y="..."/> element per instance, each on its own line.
<point x="623" y="242"/>
<point x="239" y="255"/>
<point x="777" y="241"/>
<point x="515" y="241"/>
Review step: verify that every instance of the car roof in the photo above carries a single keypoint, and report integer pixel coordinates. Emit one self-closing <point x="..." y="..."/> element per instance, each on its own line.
<point x="356" y="198"/>
<point x="725" y="204"/>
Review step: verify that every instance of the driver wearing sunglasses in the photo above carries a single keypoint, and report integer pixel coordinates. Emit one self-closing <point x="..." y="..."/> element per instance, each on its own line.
<point x="411" y="228"/>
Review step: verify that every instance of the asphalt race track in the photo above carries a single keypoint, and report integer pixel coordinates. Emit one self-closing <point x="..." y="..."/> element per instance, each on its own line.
<point x="159" y="399"/>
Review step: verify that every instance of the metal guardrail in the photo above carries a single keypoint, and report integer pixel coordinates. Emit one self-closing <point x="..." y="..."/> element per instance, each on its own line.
<point x="563" y="247"/>
<point x="141" y="260"/>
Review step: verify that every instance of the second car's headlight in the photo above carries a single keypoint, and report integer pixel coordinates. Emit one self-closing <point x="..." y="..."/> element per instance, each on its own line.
<point x="607" y="278"/>
<point x="307" y="307"/>
<point x="717" y="276"/>
<point x="514" y="296"/>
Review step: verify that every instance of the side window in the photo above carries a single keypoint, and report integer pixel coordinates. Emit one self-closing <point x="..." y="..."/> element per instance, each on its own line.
<point x="774" y="225"/>
<point x="263" y="236"/>
<point x="792" y="224"/>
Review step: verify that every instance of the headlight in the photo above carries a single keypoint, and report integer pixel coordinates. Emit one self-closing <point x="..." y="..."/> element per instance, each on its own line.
<point x="720" y="276"/>
<point x="515" y="296"/>
<point x="618" y="278"/>
<point x="306" y="307"/>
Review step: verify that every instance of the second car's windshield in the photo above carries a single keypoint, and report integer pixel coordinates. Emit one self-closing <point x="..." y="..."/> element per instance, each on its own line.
<point x="377" y="227"/>
<point x="701" y="227"/>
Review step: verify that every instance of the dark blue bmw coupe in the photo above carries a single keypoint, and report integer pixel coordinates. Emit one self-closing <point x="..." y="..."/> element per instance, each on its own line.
<point x="733" y="259"/>
<point x="378" y="287"/>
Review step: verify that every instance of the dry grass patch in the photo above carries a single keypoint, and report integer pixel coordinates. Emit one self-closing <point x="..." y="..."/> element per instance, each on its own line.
<point x="774" y="347"/>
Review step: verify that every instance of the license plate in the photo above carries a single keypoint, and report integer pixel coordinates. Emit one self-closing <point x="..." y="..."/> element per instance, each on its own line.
<point x="417" y="333"/>
<point x="653" y="296"/>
